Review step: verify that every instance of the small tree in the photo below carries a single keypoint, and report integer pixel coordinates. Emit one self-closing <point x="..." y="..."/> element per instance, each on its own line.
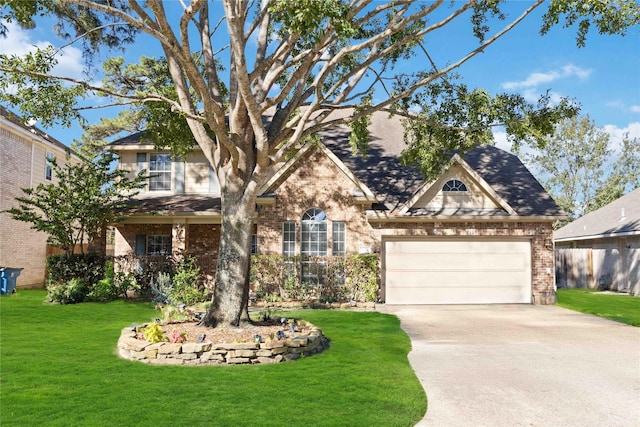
<point x="86" y="197"/>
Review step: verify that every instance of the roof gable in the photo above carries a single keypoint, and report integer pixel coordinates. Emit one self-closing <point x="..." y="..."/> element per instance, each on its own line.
<point x="479" y="199"/>
<point x="360" y="189"/>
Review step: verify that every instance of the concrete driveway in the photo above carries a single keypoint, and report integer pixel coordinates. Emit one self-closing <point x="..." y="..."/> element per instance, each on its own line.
<point x="523" y="365"/>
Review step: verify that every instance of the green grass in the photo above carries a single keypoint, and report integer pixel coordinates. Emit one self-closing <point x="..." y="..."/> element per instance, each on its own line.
<point x="58" y="367"/>
<point x="621" y="308"/>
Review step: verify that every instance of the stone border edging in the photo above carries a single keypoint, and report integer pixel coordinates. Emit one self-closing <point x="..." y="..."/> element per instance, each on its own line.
<point x="312" y="341"/>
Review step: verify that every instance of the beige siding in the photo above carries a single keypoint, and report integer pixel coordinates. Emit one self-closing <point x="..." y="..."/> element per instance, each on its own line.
<point x="196" y="174"/>
<point x="128" y="163"/>
<point x="474" y="198"/>
<point x="196" y="170"/>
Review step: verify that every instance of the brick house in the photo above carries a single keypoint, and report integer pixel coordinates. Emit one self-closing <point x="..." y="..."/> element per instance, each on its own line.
<point x="479" y="233"/>
<point x="23" y="153"/>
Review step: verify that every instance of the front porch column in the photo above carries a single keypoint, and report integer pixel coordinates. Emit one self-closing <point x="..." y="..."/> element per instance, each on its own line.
<point x="179" y="238"/>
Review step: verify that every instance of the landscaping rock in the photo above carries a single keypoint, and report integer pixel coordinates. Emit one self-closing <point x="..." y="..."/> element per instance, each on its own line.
<point x="191" y="347"/>
<point x="168" y="348"/>
<point x="307" y="340"/>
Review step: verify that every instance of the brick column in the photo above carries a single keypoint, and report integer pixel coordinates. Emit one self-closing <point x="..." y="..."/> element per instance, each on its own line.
<point x="179" y="236"/>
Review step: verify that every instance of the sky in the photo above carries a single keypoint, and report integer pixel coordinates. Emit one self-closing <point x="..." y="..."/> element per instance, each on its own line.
<point x="604" y="76"/>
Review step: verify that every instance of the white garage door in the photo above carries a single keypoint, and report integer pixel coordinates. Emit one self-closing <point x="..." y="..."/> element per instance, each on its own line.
<point x="457" y="272"/>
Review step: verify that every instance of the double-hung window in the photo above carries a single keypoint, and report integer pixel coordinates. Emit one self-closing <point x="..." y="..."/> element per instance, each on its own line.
<point x="289" y="238"/>
<point x="48" y="173"/>
<point x="160" y="172"/>
<point x="338" y="238"/>
<point x="159" y="244"/>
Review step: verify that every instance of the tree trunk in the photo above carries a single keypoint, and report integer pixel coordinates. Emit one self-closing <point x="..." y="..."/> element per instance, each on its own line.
<point x="231" y="283"/>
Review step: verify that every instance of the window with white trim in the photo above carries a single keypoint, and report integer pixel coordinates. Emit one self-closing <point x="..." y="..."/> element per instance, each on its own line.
<point x="48" y="172"/>
<point x="338" y="238"/>
<point x="289" y="238"/>
<point x="159" y="244"/>
<point x="454" y="185"/>
<point x="313" y="241"/>
<point x="160" y="172"/>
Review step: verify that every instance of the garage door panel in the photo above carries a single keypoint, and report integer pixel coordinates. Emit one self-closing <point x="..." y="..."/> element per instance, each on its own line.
<point x="452" y="246"/>
<point x="444" y="279"/>
<point x="472" y="271"/>
<point x="446" y="296"/>
<point x="490" y="261"/>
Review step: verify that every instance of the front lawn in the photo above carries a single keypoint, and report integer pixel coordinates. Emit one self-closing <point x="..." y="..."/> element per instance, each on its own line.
<point x="621" y="308"/>
<point x="58" y="367"/>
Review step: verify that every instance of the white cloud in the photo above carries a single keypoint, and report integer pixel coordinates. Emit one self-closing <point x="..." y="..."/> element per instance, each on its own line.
<point x="539" y="78"/>
<point x="533" y="95"/>
<point x="635" y="108"/>
<point x="20" y="42"/>
<point x="632" y="130"/>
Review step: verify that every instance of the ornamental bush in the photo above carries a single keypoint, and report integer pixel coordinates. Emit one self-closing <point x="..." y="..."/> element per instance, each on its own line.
<point x="63" y="268"/>
<point x="71" y="292"/>
<point x="327" y="279"/>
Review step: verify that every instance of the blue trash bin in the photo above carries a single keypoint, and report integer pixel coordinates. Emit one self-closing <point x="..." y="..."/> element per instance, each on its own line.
<point x="8" y="278"/>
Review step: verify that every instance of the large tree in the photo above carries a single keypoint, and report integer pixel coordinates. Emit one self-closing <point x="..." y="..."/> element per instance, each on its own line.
<point x="575" y="166"/>
<point x="307" y="65"/>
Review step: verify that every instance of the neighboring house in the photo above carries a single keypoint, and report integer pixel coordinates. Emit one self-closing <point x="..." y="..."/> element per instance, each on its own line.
<point x="602" y="249"/>
<point x="479" y="233"/>
<point x="23" y="153"/>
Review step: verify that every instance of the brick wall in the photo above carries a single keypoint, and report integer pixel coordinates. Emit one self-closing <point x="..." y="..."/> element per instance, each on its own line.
<point x="202" y="241"/>
<point x="316" y="183"/>
<point x="20" y="246"/>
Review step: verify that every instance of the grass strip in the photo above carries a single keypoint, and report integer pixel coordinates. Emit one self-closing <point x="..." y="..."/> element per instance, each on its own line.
<point x="621" y="308"/>
<point x="58" y="367"/>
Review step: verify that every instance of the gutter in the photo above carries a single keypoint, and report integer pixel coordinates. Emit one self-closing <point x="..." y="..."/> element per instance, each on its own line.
<point x="598" y="236"/>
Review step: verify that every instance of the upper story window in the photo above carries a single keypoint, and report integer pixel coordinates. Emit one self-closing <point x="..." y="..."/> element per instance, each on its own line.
<point x="160" y="172"/>
<point x="48" y="173"/>
<point x="454" y="185"/>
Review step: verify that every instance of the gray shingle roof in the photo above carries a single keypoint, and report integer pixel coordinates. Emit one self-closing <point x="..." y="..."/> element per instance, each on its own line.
<point x="382" y="172"/>
<point x="621" y="216"/>
<point x="510" y="178"/>
<point x="150" y="203"/>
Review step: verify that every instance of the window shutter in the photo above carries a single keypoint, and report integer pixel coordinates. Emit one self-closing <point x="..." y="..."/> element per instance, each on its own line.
<point x="141" y="164"/>
<point x="141" y="244"/>
<point x="178" y="179"/>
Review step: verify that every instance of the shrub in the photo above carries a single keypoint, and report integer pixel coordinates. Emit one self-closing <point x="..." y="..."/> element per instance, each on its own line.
<point x="63" y="268"/>
<point x="71" y="292"/>
<point x="106" y="289"/>
<point x="267" y="273"/>
<point x="140" y="272"/>
<point x="153" y="333"/>
<point x="361" y="272"/>
<point x="340" y="278"/>
<point x="185" y="287"/>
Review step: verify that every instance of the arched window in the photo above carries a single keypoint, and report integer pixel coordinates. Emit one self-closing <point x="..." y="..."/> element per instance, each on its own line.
<point x="454" y="185"/>
<point x="313" y="241"/>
